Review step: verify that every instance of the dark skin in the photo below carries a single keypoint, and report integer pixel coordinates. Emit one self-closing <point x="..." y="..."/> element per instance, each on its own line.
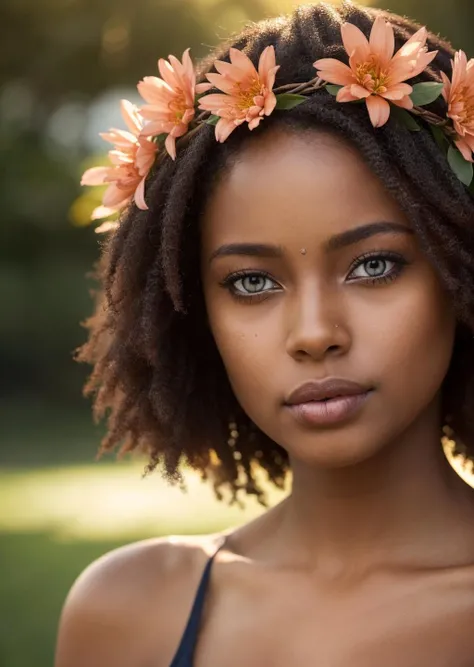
<point x="369" y="562"/>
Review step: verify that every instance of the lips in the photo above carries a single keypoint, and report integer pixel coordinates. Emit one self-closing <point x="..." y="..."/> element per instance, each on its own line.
<point x="321" y="390"/>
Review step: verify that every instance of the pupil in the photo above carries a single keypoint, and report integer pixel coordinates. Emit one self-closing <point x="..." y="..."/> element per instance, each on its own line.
<point x="373" y="264"/>
<point x="254" y="283"/>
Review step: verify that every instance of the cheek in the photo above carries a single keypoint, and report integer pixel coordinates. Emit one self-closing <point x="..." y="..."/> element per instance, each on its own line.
<point x="415" y="340"/>
<point x="245" y="348"/>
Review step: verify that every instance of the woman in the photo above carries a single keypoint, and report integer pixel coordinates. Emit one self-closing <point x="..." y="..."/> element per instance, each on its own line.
<point x="297" y="295"/>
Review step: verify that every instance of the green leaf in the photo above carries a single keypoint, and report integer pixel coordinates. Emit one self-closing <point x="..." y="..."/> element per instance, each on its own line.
<point x="289" y="100"/>
<point x="160" y="139"/>
<point x="461" y="167"/>
<point x="425" y="93"/>
<point x="213" y="120"/>
<point x="333" y="89"/>
<point x="440" y="137"/>
<point x="405" y="118"/>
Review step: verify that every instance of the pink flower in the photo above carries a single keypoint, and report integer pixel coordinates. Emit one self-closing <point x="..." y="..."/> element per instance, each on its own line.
<point x="374" y="72"/>
<point x="171" y="99"/>
<point x="248" y="93"/>
<point x="131" y="161"/>
<point x="459" y="94"/>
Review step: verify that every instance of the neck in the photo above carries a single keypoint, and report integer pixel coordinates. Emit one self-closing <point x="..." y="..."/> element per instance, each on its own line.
<point x="405" y="504"/>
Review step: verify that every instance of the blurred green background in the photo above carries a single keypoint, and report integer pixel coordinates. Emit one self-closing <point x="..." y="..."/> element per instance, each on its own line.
<point x="64" y="66"/>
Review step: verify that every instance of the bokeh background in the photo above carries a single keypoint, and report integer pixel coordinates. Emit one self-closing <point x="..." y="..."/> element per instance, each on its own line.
<point x="64" y="66"/>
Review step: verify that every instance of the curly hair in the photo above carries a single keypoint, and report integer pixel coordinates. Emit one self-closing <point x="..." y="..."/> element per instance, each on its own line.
<point x="156" y="369"/>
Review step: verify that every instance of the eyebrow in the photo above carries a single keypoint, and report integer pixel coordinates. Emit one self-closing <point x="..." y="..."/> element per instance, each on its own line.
<point x="336" y="242"/>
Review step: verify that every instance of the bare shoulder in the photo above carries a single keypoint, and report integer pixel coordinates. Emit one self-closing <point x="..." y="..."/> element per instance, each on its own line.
<point x="130" y="606"/>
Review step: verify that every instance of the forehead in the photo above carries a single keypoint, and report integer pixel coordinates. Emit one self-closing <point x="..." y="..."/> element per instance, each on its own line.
<point x="288" y="186"/>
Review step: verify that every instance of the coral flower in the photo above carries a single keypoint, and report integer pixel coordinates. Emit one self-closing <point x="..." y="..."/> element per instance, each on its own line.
<point x="459" y="94"/>
<point x="131" y="160"/>
<point x="374" y="72"/>
<point x="247" y="94"/>
<point x="170" y="99"/>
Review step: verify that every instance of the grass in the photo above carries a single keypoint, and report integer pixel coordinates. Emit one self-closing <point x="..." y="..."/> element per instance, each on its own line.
<point x="37" y="571"/>
<point x="59" y="511"/>
<point x="56" y="520"/>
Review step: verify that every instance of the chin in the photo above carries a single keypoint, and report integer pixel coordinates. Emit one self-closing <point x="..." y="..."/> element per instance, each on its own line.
<point x="331" y="460"/>
<point x="333" y="450"/>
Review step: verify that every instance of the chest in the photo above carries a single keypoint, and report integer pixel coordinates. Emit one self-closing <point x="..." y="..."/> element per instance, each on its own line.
<point x="376" y="628"/>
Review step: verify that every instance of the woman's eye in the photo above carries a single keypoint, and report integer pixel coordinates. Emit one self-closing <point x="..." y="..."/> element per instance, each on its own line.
<point x="254" y="283"/>
<point x="374" y="267"/>
<point x="378" y="267"/>
<point x="248" y="285"/>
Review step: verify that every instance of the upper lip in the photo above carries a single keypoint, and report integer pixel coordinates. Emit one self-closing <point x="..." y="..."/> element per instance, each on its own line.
<point x="318" y="390"/>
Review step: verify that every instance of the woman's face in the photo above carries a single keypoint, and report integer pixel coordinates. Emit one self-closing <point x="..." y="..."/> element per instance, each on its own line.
<point x="303" y="283"/>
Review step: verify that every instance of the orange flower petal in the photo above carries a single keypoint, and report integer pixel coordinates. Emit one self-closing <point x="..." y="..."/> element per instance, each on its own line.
<point x="179" y="72"/>
<point x="359" y="92"/>
<point x="353" y="38"/>
<point x="120" y="138"/>
<point x="188" y="69"/>
<point x="333" y="71"/>
<point x="224" y="128"/>
<point x="398" y="91"/>
<point x="424" y="59"/>
<point x="266" y="63"/>
<point x="139" y="195"/>
<point x="170" y="145"/>
<point x="187" y="117"/>
<point x="95" y="175"/>
<point x="152" y="129"/>
<point x="145" y="156"/>
<point x="459" y="68"/>
<point x="116" y="197"/>
<point x="465" y="149"/>
<point x="119" y="158"/>
<point x="270" y="77"/>
<point x="103" y="212"/>
<point x="222" y="83"/>
<point x="214" y="102"/>
<point x="379" y="110"/>
<point x="420" y="35"/>
<point x="345" y="95"/>
<point x="447" y="86"/>
<point x="404" y="103"/>
<point x="184" y="73"/>
<point x="155" y="111"/>
<point x="408" y="51"/>
<point x="203" y="88"/>
<point x="269" y="103"/>
<point x="131" y="116"/>
<point x="230" y="71"/>
<point x="382" y="40"/>
<point x="254" y="123"/>
<point x="154" y="90"/>
<point x="168" y="74"/>
<point x="242" y="61"/>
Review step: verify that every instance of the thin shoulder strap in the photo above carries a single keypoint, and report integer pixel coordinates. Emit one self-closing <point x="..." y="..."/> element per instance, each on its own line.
<point x="184" y="653"/>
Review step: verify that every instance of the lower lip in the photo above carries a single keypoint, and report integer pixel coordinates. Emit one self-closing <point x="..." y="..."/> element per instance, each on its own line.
<point x="333" y="411"/>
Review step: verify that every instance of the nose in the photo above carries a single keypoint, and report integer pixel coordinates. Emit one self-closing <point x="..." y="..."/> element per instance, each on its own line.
<point x="316" y="326"/>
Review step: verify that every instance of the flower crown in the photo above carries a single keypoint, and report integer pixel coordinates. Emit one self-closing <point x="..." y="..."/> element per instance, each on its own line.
<point x="375" y="75"/>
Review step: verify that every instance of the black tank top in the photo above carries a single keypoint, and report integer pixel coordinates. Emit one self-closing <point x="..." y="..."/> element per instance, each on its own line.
<point x="185" y="652"/>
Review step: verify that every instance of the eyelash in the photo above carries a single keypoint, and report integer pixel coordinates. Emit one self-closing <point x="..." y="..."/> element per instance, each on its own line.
<point x="400" y="262"/>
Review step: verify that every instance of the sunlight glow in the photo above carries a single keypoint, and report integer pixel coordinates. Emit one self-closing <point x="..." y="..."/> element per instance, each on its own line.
<point x="87" y="502"/>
